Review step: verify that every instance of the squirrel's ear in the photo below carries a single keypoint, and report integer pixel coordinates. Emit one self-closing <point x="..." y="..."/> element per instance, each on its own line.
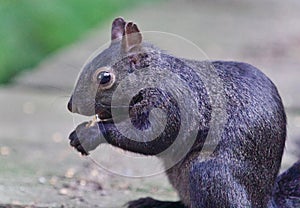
<point x="118" y="28"/>
<point x="132" y="37"/>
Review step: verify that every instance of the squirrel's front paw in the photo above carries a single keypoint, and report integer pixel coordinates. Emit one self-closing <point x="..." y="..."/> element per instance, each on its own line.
<point x="85" y="138"/>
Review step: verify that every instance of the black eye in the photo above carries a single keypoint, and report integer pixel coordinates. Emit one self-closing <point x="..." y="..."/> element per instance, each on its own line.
<point x="104" y="77"/>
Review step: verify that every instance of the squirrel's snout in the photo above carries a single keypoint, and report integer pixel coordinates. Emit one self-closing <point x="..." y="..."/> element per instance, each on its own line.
<point x="80" y="108"/>
<point x="70" y="106"/>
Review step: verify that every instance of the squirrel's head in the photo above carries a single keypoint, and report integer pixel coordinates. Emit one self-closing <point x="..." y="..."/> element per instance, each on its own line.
<point x="102" y="73"/>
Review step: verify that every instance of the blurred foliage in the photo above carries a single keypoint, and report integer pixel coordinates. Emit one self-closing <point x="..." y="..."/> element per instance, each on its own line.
<point x="31" y="29"/>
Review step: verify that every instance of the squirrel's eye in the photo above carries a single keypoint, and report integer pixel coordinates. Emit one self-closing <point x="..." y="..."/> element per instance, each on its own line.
<point x="104" y="77"/>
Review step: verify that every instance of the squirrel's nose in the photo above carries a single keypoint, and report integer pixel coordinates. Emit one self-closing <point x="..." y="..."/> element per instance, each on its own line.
<point x="70" y="107"/>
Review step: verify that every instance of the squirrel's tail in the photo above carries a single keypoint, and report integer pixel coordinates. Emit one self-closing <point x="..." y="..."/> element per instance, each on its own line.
<point x="286" y="192"/>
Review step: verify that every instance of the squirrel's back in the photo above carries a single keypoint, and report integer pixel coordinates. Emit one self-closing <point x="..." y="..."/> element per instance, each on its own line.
<point x="253" y="139"/>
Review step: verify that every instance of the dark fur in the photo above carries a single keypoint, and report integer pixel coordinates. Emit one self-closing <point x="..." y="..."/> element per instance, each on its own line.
<point x="243" y="168"/>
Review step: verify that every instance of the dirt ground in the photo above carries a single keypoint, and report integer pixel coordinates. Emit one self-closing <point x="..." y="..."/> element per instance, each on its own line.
<point x="37" y="166"/>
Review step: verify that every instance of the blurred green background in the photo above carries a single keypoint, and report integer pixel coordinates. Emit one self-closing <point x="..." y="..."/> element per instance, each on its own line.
<point x="32" y="29"/>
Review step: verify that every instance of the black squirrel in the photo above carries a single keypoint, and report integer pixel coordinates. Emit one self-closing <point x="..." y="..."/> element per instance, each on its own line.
<point x="241" y="171"/>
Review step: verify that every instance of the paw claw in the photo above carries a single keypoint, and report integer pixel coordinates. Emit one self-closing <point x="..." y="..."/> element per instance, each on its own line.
<point x="75" y="142"/>
<point x="85" y="138"/>
<point x="81" y="150"/>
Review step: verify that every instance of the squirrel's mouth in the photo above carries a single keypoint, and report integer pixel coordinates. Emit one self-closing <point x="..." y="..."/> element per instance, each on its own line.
<point x="104" y="116"/>
<point x="104" y="111"/>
